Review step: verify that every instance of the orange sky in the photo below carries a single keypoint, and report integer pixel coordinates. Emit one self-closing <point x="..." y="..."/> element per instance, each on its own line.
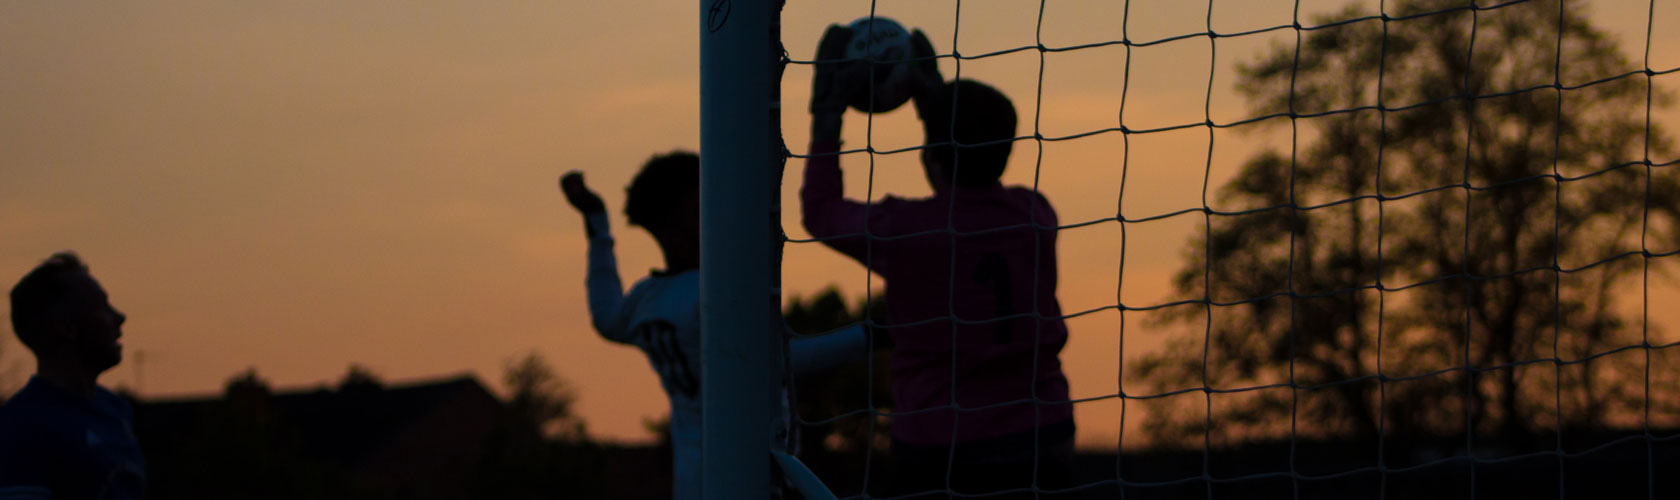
<point x="299" y="186"/>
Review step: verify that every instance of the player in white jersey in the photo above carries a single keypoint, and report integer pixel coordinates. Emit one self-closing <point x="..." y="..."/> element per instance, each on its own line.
<point x="661" y="314"/>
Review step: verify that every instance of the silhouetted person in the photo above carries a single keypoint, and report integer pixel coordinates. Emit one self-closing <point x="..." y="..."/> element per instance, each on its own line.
<point x="999" y="269"/>
<point x="661" y="314"/>
<point x="63" y="436"/>
<point x="662" y="311"/>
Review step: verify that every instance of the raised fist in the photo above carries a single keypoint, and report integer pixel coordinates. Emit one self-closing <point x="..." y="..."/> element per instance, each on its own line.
<point x="579" y="195"/>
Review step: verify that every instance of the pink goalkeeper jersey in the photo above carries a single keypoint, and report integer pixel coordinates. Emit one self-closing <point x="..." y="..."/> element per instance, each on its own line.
<point x="931" y="275"/>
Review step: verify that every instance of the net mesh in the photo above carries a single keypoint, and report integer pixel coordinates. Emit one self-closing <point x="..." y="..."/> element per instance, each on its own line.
<point x="1506" y="389"/>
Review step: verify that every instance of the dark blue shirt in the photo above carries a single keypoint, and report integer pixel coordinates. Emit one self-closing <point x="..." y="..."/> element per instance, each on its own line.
<point x="56" y="445"/>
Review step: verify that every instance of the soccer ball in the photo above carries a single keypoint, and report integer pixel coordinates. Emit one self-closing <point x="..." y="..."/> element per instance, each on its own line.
<point x="886" y="44"/>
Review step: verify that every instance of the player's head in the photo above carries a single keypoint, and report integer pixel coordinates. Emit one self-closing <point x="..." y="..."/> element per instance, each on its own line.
<point x="665" y="196"/>
<point x="60" y="311"/>
<point x="983" y="115"/>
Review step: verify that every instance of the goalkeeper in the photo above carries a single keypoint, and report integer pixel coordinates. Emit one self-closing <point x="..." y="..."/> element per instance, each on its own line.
<point x="1001" y="285"/>
<point x="661" y="314"/>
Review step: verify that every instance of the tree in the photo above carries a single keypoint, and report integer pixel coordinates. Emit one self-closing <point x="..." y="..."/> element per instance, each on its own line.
<point x="540" y="395"/>
<point x="1476" y="265"/>
<point x="660" y="428"/>
<point x="359" y="378"/>
<point x="542" y="448"/>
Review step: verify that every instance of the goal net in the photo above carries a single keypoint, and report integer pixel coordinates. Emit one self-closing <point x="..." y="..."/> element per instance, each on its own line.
<point x="1276" y="249"/>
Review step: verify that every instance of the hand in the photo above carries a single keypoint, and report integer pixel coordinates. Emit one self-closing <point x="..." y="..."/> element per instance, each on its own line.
<point x="926" y="61"/>
<point x="926" y="84"/>
<point x="833" y="80"/>
<point x="579" y="195"/>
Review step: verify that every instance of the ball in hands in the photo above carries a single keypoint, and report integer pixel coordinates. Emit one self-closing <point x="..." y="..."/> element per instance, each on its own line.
<point x="885" y="45"/>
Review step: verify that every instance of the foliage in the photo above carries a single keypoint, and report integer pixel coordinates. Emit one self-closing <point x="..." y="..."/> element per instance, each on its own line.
<point x="541" y="396"/>
<point x="360" y="378"/>
<point x="660" y="428"/>
<point x="1471" y="275"/>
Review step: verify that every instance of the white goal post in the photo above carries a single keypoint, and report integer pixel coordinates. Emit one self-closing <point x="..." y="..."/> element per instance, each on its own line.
<point x="740" y="151"/>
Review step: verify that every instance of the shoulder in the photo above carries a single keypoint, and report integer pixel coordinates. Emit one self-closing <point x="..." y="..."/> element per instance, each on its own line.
<point x="897" y="215"/>
<point x="664" y="284"/>
<point x="1023" y="194"/>
<point x="665" y="296"/>
<point x="25" y="410"/>
<point x="1035" y="200"/>
<point x="112" y="403"/>
<point x="27" y="426"/>
<point x="15" y="424"/>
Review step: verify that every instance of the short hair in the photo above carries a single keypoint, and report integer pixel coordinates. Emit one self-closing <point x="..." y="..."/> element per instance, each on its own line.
<point x="983" y="115"/>
<point x="663" y="179"/>
<point x="41" y="291"/>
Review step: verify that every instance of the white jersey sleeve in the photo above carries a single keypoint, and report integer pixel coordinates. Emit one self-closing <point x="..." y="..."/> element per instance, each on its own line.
<point x="606" y="292"/>
<point x="821" y="353"/>
<point x="661" y="316"/>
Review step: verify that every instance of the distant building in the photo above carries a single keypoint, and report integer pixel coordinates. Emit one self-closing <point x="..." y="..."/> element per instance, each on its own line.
<point x="418" y="440"/>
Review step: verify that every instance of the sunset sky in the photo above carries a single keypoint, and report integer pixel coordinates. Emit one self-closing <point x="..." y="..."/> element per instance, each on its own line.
<point x="298" y="186"/>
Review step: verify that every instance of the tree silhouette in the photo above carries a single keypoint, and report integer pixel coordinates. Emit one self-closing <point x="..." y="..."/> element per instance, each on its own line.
<point x="542" y="447"/>
<point x="359" y="379"/>
<point x="1480" y="283"/>
<point x="540" y="395"/>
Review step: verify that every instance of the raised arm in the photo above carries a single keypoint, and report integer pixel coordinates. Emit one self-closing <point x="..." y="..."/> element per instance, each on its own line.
<point x="825" y="210"/>
<point x="606" y="292"/>
<point x="827" y="214"/>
